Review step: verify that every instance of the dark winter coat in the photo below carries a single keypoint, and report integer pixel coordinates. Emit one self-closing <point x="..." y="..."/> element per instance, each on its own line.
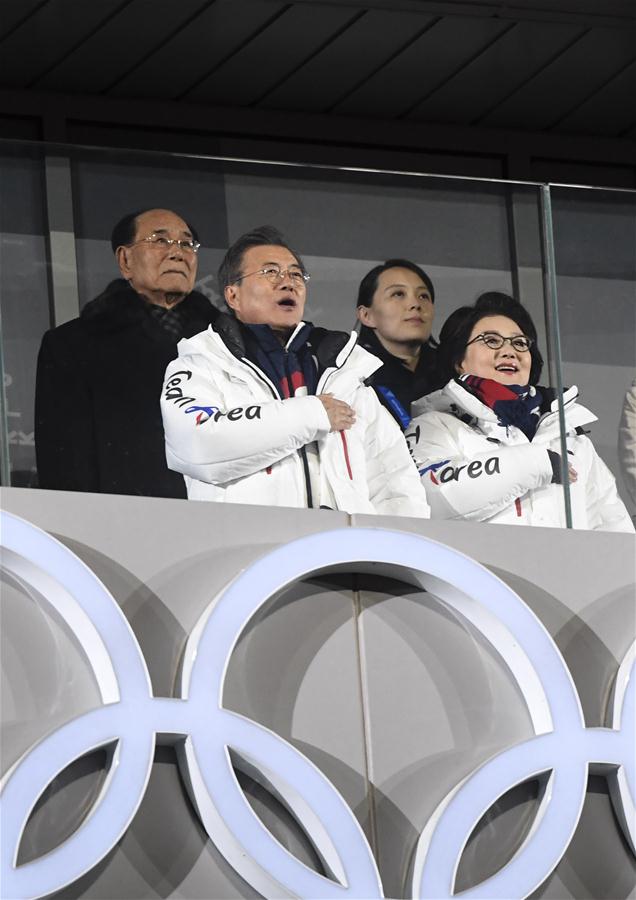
<point x="395" y="382"/>
<point x="97" y="417"/>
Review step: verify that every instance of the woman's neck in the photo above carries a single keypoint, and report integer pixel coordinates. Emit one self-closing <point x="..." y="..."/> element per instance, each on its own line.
<point x="408" y="352"/>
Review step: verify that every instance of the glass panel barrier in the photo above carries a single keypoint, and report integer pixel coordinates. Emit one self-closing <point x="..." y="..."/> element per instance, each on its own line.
<point x="595" y="251"/>
<point x="24" y="297"/>
<point x="469" y="235"/>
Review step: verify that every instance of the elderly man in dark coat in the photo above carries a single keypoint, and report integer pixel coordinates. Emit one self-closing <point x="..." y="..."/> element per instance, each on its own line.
<point x="97" y="418"/>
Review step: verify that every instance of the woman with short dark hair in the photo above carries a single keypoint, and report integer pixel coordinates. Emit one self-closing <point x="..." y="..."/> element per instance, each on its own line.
<point x="395" y="308"/>
<point x="487" y="445"/>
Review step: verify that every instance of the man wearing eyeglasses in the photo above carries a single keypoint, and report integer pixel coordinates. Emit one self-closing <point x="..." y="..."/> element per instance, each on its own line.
<point x="97" y="418"/>
<point x="265" y="408"/>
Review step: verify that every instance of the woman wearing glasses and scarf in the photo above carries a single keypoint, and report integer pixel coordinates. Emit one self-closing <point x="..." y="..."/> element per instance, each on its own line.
<point x="487" y="445"/>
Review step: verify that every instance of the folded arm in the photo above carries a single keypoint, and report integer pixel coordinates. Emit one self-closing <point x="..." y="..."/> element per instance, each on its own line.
<point x="213" y="442"/>
<point x="473" y="486"/>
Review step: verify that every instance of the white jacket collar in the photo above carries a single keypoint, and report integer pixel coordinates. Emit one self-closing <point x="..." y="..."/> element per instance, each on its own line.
<point x="294" y="333"/>
<point x="365" y="361"/>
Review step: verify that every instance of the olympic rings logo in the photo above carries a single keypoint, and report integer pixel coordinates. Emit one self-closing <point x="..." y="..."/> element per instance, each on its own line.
<point x="131" y="719"/>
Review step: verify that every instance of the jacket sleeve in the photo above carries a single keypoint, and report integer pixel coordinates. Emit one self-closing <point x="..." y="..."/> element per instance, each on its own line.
<point x="212" y="443"/>
<point x="394" y="486"/>
<point x="474" y="486"/>
<point x="627" y="441"/>
<point x="605" y="510"/>
<point x="65" y="448"/>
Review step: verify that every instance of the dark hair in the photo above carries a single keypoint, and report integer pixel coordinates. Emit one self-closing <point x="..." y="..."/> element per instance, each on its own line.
<point x="125" y="230"/>
<point x="230" y="269"/>
<point x="369" y="284"/>
<point x="457" y="329"/>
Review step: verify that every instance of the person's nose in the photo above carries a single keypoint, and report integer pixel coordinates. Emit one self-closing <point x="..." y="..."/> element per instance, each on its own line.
<point x="177" y="252"/>
<point x="285" y="280"/>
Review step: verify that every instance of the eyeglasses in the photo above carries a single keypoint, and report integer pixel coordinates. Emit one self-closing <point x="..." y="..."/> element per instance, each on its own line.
<point x="274" y="274"/>
<point x="495" y="341"/>
<point x="158" y="240"/>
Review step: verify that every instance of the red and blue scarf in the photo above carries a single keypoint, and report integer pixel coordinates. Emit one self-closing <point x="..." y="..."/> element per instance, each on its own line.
<point x="513" y="404"/>
<point x="290" y="368"/>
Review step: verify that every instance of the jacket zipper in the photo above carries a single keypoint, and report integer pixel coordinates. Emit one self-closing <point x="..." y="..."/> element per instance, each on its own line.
<point x="302" y="451"/>
<point x="343" y="437"/>
<point x="322" y="384"/>
<point x="320" y="387"/>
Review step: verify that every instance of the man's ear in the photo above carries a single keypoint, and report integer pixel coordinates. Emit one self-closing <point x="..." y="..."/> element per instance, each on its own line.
<point x="122" y="261"/>
<point x="231" y="296"/>
<point x="365" y="316"/>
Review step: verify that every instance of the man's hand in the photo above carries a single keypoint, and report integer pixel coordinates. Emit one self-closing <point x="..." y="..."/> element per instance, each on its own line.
<point x="341" y="415"/>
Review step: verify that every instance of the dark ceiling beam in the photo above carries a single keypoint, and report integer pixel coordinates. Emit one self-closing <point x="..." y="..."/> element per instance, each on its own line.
<point x="612" y="14"/>
<point x="56" y="110"/>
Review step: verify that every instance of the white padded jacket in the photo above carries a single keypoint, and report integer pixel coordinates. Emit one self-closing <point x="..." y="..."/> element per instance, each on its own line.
<point x="235" y="440"/>
<point x="474" y="468"/>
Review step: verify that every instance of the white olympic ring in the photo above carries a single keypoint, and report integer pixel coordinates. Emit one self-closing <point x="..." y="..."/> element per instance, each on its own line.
<point x="132" y="718"/>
